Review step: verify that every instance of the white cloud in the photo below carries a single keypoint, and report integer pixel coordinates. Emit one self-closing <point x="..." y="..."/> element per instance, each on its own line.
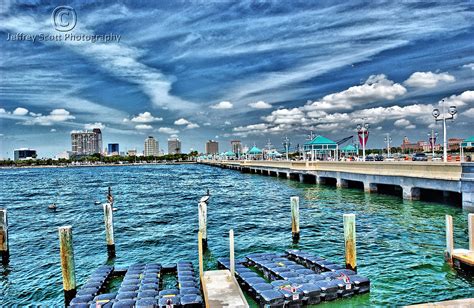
<point x="20" y="111"/>
<point x="465" y="98"/>
<point x="375" y="88"/>
<point x="168" y="130"/>
<point x="91" y="126"/>
<point x="227" y="123"/>
<point x="2" y="110"/>
<point x="223" y="105"/>
<point x="145" y="117"/>
<point x="260" y="105"/>
<point x="286" y="116"/>
<point x="143" y="127"/>
<point x="55" y="116"/>
<point x="261" y="126"/>
<point x="207" y="124"/>
<point x="469" y="113"/>
<point x="404" y="123"/>
<point x="428" y="79"/>
<point x="53" y="130"/>
<point x="181" y="121"/>
<point x="192" y="125"/>
<point x="470" y="65"/>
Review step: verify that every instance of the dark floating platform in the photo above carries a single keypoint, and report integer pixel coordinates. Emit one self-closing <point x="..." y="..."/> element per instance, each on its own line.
<point x="143" y="286"/>
<point x="294" y="279"/>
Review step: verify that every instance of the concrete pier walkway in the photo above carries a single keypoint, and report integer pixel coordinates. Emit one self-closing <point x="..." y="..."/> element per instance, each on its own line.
<point x="410" y="177"/>
<point x="222" y="290"/>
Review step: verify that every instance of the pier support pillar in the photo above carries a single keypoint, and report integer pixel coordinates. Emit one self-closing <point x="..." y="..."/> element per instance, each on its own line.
<point x="370" y="187"/>
<point x="341" y="183"/>
<point x="301" y="177"/>
<point x="203" y="222"/>
<point x="350" y="241"/>
<point x="109" y="229"/>
<point x="4" y="251"/>
<point x="295" y="218"/>
<point x="411" y="193"/>
<point x="448" y="254"/>
<point x="319" y="180"/>
<point x="467" y="186"/>
<point x="288" y="175"/>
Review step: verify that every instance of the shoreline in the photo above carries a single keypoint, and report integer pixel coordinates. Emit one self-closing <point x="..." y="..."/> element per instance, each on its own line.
<point x="96" y="165"/>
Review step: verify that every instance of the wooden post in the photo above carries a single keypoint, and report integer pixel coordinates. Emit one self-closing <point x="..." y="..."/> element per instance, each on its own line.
<point x="470" y="219"/>
<point x="295" y="218"/>
<point x="231" y="250"/>
<point x="4" y="251"/>
<point x="203" y="222"/>
<point x="200" y="249"/>
<point x="449" y="239"/>
<point x="109" y="229"/>
<point x="67" y="263"/>
<point x="350" y="241"/>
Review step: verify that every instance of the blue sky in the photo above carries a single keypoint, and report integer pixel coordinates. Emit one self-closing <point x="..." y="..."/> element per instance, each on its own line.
<point x="234" y="70"/>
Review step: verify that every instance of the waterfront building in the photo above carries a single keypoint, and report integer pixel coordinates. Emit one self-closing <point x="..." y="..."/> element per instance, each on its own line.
<point x="113" y="149"/>
<point x="24" y="154"/>
<point x="63" y="155"/>
<point x="454" y="144"/>
<point x="174" y="146"/>
<point x="255" y="153"/>
<point x="212" y="147"/>
<point x="86" y="142"/>
<point x="132" y="152"/>
<point x="236" y="147"/>
<point x="321" y="148"/>
<point x="151" y="147"/>
<point x="420" y="146"/>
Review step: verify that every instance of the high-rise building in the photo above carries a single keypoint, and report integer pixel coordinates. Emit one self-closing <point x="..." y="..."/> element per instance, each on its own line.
<point x="86" y="142"/>
<point x="212" y="147"/>
<point x="174" y="146"/>
<point x="236" y="147"/>
<point x="24" y="154"/>
<point x="113" y="149"/>
<point x="151" y="147"/>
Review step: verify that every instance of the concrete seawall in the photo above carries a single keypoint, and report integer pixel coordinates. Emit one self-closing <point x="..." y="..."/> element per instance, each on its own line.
<point x="412" y="178"/>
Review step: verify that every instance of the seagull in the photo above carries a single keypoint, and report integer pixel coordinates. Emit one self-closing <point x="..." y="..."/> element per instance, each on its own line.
<point x="205" y="198"/>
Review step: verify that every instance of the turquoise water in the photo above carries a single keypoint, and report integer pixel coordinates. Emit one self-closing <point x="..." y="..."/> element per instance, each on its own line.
<point x="400" y="243"/>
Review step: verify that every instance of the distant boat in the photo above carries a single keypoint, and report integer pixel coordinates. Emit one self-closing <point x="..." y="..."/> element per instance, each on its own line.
<point x="115" y="209"/>
<point x="52" y="206"/>
<point x="97" y="202"/>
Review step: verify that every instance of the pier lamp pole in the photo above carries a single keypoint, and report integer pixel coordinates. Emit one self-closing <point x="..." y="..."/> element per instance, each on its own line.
<point x="387" y="140"/>
<point x="452" y="111"/>
<point x="286" y="144"/>
<point x="432" y="137"/>
<point x="363" y="131"/>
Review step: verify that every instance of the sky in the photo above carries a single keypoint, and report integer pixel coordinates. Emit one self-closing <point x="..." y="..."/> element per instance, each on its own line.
<point x="247" y="70"/>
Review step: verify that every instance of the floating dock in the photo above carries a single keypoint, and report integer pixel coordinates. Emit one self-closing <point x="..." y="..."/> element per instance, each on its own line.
<point x="294" y="279"/>
<point x="142" y="286"/>
<point x="222" y="290"/>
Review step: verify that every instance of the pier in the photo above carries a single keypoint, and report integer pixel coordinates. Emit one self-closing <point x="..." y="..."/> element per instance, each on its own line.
<point x="411" y="180"/>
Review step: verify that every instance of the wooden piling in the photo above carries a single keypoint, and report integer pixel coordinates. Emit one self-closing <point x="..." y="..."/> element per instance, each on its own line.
<point x="109" y="229"/>
<point x="295" y="218"/>
<point x="67" y="263"/>
<point x="203" y="222"/>
<point x="470" y="220"/>
<point x="449" y="239"/>
<point x="200" y="256"/>
<point x="231" y="251"/>
<point x="4" y="251"/>
<point x="350" y="241"/>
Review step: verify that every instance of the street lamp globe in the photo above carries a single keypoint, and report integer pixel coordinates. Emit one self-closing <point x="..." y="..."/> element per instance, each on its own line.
<point x="359" y="126"/>
<point x="452" y="110"/>
<point x="436" y="112"/>
<point x="366" y="125"/>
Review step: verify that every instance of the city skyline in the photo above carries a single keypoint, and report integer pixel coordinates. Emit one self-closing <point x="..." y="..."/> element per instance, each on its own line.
<point x="265" y="72"/>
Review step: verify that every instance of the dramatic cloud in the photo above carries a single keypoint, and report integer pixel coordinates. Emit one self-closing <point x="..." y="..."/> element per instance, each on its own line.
<point x="2" y="110"/>
<point x="286" y="116"/>
<point x="260" y="105"/>
<point x="55" y="116"/>
<point x="168" y="130"/>
<point x="469" y="113"/>
<point x="145" y="117"/>
<point x="143" y="127"/>
<point x="470" y="65"/>
<point x="375" y="88"/>
<point x="181" y="122"/>
<point x="463" y="99"/>
<point x="223" y="105"/>
<point x="20" y="111"/>
<point x="91" y="126"/>
<point x="428" y="79"/>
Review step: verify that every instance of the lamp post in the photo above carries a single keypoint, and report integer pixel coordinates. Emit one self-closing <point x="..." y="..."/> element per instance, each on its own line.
<point x="363" y="131"/>
<point x="310" y="137"/>
<point x="286" y="144"/>
<point x="432" y="138"/>
<point x="387" y="140"/>
<point x="452" y="111"/>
